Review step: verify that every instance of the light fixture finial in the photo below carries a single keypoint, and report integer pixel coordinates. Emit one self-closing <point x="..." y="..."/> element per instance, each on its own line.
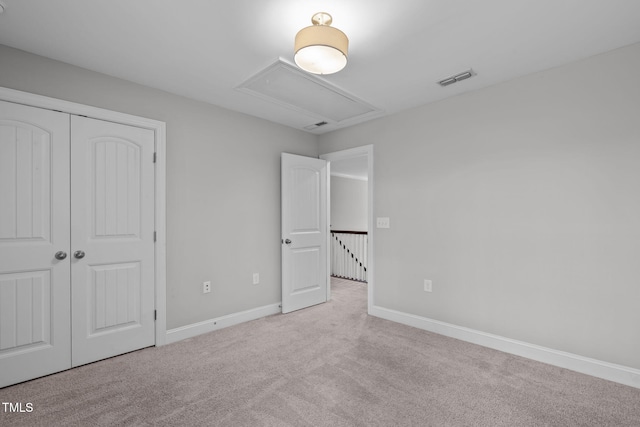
<point x="321" y="18"/>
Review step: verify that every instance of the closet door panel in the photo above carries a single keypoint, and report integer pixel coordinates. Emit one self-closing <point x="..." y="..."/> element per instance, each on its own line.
<point x="113" y="223"/>
<point x="34" y="227"/>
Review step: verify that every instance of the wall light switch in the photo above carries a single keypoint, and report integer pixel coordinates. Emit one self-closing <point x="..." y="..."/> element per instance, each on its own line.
<point x="256" y="278"/>
<point x="206" y="287"/>
<point x="428" y="285"/>
<point x="383" y="222"/>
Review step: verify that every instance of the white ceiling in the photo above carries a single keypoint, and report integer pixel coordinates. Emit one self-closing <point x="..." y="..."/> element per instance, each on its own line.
<point x="204" y="49"/>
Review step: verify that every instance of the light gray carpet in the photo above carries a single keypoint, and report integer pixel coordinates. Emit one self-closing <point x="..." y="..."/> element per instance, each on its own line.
<point x="329" y="365"/>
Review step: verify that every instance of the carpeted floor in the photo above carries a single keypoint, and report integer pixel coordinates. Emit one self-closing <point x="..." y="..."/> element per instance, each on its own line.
<point x="328" y="365"/>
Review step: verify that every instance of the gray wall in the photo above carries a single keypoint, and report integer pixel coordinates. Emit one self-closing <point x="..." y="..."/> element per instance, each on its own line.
<point x="223" y="184"/>
<point x="522" y="203"/>
<point x="348" y="204"/>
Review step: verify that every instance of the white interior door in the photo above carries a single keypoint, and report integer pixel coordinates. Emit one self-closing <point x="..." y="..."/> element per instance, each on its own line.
<point x="112" y="259"/>
<point x="304" y="232"/>
<point x="34" y="226"/>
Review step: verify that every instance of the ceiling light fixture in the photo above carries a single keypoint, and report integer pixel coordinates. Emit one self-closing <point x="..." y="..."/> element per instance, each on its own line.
<point x="321" y="49"/>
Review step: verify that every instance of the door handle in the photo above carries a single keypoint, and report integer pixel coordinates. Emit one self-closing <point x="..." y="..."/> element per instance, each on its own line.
<point x="60" y="255"/>
<point x="288" y="242"/>
<point x="79" y="254"/>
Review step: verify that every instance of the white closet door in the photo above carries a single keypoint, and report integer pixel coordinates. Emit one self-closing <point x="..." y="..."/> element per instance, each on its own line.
<point x="34" y="226"/>
<point x="112" y="259"/>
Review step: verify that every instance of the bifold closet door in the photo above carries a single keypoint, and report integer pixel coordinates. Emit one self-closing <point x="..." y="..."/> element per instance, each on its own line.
<point x="34" y="243"/>
<point x="112" y="239"/>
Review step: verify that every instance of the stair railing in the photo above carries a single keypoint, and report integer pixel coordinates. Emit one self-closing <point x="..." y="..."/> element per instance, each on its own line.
<point x="349" y="254"/>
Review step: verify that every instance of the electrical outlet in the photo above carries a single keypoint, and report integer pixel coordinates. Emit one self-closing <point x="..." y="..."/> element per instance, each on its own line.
<point x="206" y="287"/>
<point x="428" y="285"/>
<point x="256" y="278"/>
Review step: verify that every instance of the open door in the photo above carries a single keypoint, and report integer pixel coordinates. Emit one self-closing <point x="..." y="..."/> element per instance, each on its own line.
<point x="304" y="232"/>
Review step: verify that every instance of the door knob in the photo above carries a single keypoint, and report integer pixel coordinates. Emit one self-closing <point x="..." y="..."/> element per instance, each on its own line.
<point x="288" y="242"/>
<point x="60" y="255"/>
<point x="79" y="254"/>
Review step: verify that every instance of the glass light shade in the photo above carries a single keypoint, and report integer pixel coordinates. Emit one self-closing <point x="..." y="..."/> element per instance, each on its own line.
<point x="320" y="59"/>
<point x="321" y="49"/>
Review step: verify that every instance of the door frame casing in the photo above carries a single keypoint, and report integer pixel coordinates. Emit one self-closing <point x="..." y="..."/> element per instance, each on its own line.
<point x="365" y="150"/>
<point x="159" y="129"/>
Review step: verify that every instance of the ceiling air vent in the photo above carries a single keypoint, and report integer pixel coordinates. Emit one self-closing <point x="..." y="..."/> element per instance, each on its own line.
<point x="457" y="78"/>
<point x="315" y="125"/>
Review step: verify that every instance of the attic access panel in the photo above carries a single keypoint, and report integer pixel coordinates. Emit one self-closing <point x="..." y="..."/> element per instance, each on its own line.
<point x="287" y="86"/>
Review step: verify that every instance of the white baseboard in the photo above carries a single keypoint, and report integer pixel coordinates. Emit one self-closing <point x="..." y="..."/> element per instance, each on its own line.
<point x="608" y="371"/>
<point x="189" y="331"/>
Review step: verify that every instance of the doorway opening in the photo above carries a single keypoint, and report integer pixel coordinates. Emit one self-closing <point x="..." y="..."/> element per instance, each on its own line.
<point x="351" y="217"/>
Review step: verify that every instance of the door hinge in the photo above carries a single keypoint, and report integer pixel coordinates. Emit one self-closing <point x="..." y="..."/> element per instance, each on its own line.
<point x="155" y="157"/>
<point x="155" y="314"/>
<point x="155" y="236"/>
